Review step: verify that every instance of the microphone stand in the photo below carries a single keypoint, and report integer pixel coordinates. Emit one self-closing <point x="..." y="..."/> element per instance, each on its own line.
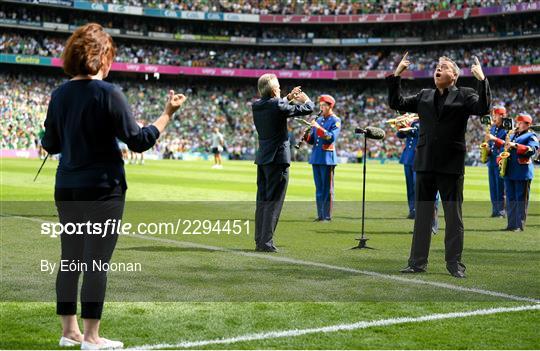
<point x="362" y="240"/>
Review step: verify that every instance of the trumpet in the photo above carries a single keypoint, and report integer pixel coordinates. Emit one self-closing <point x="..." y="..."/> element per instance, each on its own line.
<point x="403" y="121"/>
<point x="306" y="131"/>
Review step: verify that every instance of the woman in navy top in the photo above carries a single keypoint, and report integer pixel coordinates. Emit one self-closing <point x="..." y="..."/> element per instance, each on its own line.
<point x="85" y="118"/>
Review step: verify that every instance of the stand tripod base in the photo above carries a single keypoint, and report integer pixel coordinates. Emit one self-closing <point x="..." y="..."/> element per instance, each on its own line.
<point x="362" y="244"/>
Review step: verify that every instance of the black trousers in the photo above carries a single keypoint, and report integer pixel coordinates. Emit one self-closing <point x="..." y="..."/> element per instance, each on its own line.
<point x="96" y="205"/>
<point x="272" y="181"/>
<point x="450" y="187"/>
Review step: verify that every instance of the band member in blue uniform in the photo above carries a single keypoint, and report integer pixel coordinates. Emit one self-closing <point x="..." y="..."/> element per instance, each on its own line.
<point x="323" y="136"/>
<point x="410" y="134"/>
<point x="523" y="145"/>
<point x="496" y="183"/>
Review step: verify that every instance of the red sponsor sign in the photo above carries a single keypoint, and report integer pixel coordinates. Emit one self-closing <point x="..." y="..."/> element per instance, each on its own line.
<point x="532" y="69"/>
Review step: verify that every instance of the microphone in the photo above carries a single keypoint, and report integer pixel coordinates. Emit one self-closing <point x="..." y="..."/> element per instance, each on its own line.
<point x="371" y="132"/>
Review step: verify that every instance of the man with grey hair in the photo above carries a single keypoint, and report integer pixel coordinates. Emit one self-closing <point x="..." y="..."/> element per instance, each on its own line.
<point x="273" y="157"/>
<point x="440" y="154"/>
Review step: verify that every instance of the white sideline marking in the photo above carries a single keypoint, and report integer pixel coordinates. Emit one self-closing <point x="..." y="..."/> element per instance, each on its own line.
<point x="277" y="258"/>
<point x="339" y="327"/>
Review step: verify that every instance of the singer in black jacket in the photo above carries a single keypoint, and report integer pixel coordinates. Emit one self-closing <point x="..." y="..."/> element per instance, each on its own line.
<point x="440" y="154"/>
<point x="273" y="157"/>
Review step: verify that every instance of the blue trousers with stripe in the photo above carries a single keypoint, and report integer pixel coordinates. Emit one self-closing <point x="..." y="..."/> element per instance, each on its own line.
<point x="324" y="190"/>
<point x="496" y="189"/>
<point x="517" y="201"/>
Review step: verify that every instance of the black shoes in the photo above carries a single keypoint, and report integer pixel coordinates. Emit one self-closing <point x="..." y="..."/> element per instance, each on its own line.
<point x="266" y="249"/>
<point x="456" y="269"/>
<point x="507" y="229"/>
<point x="322" y="220"/>
<point x="458" y="274"/>
<point x="410" y="216"/>
<point x="411" y="269"/>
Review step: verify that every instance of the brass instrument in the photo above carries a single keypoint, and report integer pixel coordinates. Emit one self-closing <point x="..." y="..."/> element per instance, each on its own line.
<point x="306" y="131"/>
<point x="505" y="155"/>
<point x="403" y="122"/>
<point x="484" y="147"/>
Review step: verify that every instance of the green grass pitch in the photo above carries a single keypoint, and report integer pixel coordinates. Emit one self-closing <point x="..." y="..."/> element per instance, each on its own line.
<point x="204" y="287"/>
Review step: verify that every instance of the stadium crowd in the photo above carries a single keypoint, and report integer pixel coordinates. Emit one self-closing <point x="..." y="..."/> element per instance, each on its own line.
<point x="24" y="99"/>
<point x="314" y="7"/>
<point x="502" y="54"/>
<point x="456" y="29"/>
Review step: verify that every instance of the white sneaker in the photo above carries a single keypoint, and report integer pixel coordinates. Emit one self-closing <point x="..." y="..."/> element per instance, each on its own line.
<point x="106" y="345"/>
<point x="67" y="342"/>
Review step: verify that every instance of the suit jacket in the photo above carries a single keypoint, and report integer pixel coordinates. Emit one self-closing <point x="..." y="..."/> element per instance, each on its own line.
<point x="441" y="144"/>
<point x="270" y="117"/>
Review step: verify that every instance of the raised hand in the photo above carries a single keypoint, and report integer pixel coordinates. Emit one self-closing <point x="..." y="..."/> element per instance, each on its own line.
<point x="174" y="102"/>
<point x="476" y="70"/>
<point x="315" y="124"/>
<point x="302" y="97"/>
<point x="510" y="145"/>
<point x="403" y="65"/>
<point x="294" y="92"/>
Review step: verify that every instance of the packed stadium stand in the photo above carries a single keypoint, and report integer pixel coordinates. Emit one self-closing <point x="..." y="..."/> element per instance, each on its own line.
<point x="213" y="51"/>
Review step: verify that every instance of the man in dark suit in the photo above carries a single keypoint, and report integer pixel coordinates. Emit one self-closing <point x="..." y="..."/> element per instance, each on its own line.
<point x="440" y="154"/>
<point x="273" y="157"/>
